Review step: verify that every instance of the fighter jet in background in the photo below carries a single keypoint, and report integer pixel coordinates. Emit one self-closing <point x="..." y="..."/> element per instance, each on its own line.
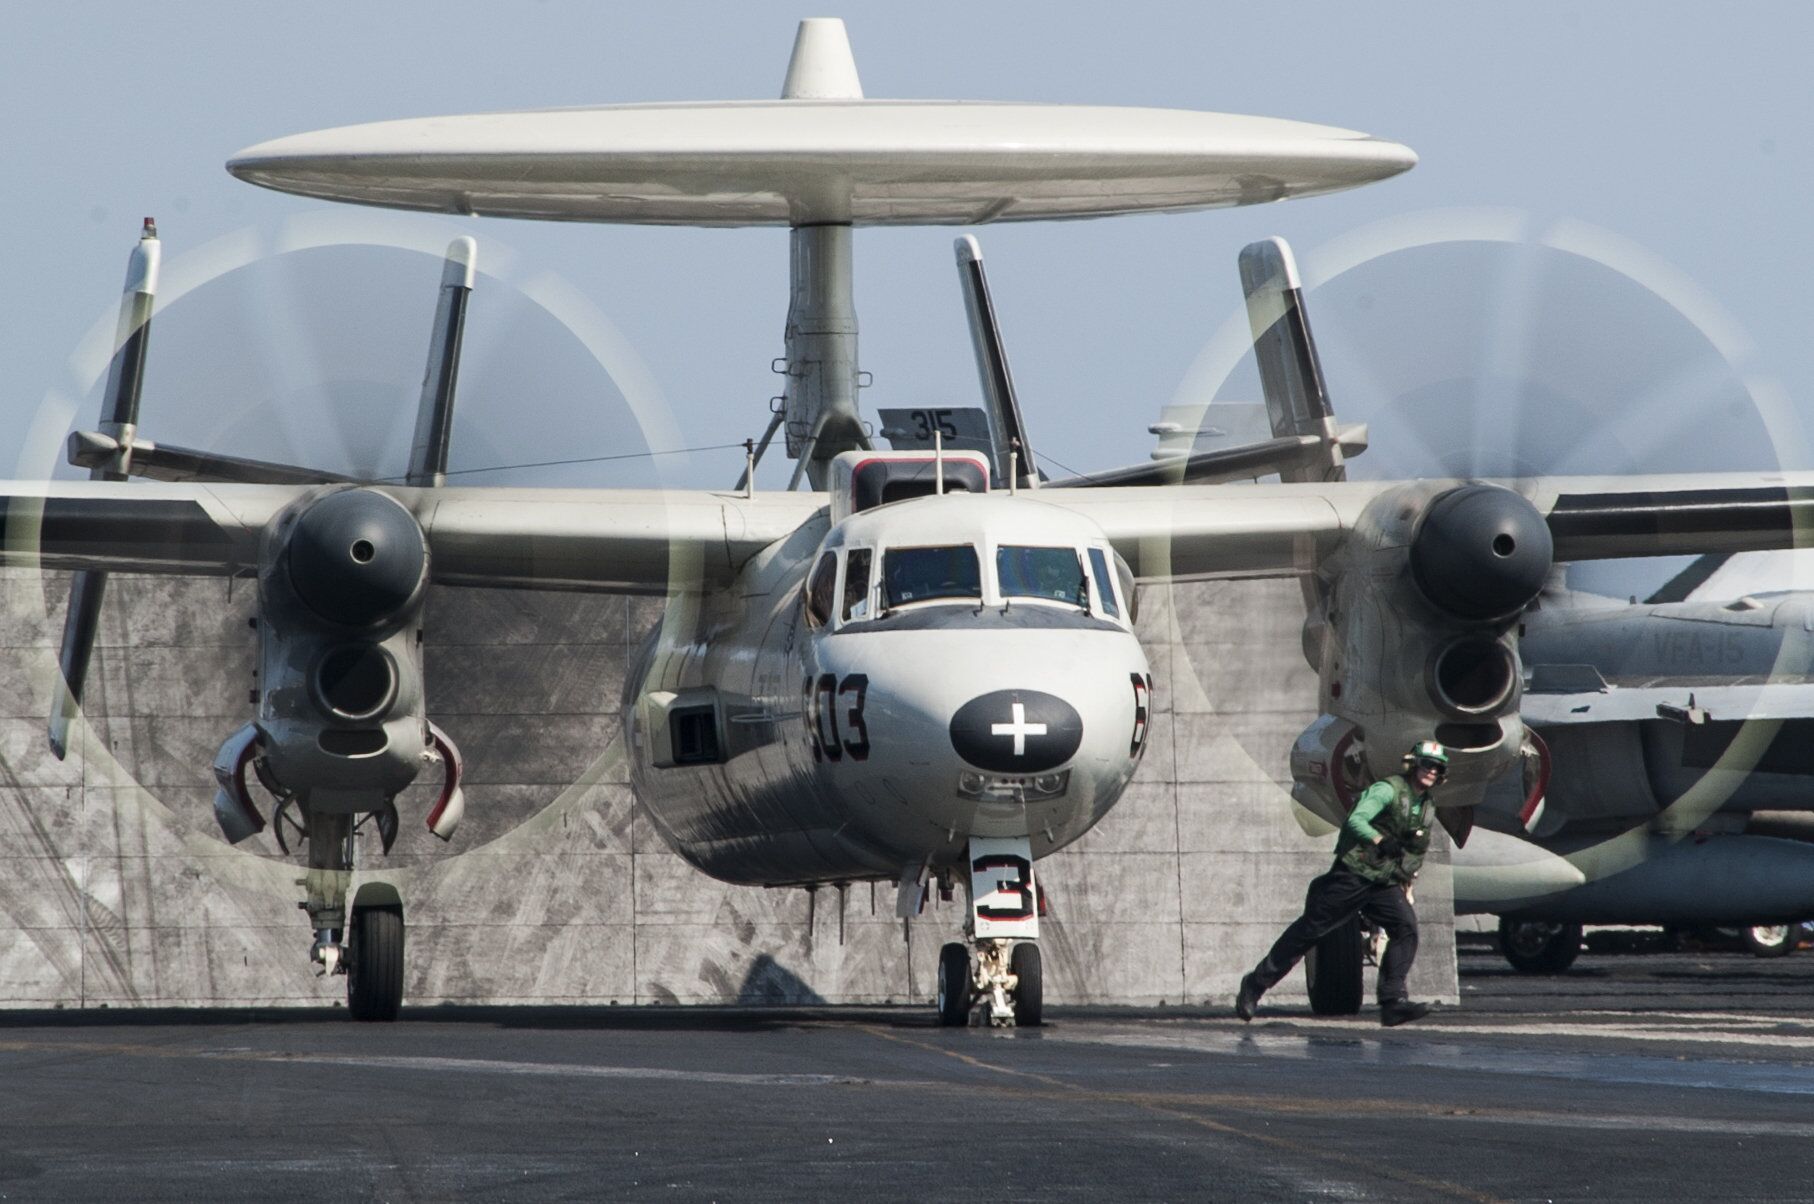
<point x="1679" y="736"/>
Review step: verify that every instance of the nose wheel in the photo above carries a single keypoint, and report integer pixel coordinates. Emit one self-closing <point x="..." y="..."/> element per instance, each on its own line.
<point x="1029" y="987"/>
<point x="954" y="985"/>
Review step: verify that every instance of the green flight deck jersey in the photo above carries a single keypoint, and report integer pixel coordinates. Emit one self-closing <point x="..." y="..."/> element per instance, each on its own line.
<point x="1389" y="807"/>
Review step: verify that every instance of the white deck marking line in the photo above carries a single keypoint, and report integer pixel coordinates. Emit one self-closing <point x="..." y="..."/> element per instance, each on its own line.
<point x="1639" y="1124"/>
<point x="1438" y="1052"/>
<point x="1678" y="1033"/>
<point x="558" y="1070"/>
<point x="240" y="1053"/>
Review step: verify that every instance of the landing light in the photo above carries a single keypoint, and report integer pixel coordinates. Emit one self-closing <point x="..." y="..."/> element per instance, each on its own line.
<point x="996" y="788"/>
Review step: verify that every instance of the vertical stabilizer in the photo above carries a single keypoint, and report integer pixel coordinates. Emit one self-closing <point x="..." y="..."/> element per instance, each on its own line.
<point x="1297" y="402"/>
<point x="822" y="67"/>
<point x="434" y="412"/>
<point x="992" y="367"/>
<point x="1291" y="376"/>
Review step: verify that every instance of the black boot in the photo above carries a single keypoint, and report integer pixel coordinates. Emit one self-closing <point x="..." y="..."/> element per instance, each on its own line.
<point x="1247" y="998"/>
<point x="1395" y="1012"/>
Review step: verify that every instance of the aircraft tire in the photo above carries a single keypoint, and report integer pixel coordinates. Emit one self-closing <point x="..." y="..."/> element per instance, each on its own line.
<point x="374" y="972"/>
<point x="1332" y="970"/>
<point x="953" y="985"/>
<point x="1536" y="947"/>
<point x="1771" y="940"/>
<point x="1029" y="996"/>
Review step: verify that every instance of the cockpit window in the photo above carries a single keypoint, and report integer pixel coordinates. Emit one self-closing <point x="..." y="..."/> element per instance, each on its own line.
<point x="818" y="590"/>
<point x="856" y="584"/>
<point x="921" y="574"/>
<point x="1051" y="573"/>
<point x="1105" y="583"/>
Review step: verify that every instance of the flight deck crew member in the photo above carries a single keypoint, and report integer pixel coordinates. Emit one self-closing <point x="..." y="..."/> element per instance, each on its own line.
<point x="1380" y="849"/>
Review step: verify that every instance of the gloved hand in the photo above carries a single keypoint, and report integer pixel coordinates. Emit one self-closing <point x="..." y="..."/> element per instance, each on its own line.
<point x="1389" y="848"/>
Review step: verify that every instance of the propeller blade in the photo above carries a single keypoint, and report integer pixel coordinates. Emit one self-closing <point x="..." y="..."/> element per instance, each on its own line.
<point x="1291" y="376"/>
<point x="79" y="624"/>
<point x="992" y="366"/>
<point x="119" y="421"/>
<point x="434" y="414"/>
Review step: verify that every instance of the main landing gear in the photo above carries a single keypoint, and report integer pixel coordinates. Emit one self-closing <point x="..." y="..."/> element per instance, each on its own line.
<point x="1539" y="947"/>
<point x="1333" y="969"/>
<point x="1003" y="984"/>
<point x="363" y="942"/>
<point x="1771" y="940"/>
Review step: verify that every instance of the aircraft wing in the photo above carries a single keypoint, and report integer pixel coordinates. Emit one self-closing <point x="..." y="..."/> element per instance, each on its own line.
<point x="1190" y="531"/>
<point x="137" y="528"/>
<point x="638" y="540"/>
<point x="607" y="540"/>
<point x="1605" y="518"/>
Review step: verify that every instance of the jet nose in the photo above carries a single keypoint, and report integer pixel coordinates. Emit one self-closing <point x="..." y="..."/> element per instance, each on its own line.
<point x="1016" y="731"/>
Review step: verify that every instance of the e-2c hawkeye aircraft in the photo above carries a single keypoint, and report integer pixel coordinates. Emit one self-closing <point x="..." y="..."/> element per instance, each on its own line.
<point x="922" y="669"/>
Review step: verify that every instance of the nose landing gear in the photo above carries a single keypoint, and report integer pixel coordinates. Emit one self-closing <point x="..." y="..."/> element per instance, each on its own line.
<point x="1004" y="984"/>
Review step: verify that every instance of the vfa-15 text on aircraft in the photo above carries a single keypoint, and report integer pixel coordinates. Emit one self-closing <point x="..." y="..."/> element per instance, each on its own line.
<point x="920" y="670"/>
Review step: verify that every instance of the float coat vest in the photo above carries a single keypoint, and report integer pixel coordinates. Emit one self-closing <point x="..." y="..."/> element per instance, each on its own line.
<point x="1406" y="817"/>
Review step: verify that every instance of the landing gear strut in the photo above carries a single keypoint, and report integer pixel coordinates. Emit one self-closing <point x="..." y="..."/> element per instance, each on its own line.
<point x="330" y="839"/>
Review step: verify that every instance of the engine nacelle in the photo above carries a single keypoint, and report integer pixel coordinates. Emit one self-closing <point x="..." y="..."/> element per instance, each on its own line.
<point x="342" y="581"/>
<point x="1417" y="638"/>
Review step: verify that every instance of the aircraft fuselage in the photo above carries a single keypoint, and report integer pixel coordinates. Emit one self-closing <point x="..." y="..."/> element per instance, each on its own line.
<point x="930" y="695"/>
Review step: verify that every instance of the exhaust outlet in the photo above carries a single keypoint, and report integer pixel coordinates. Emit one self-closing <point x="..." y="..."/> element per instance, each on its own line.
<point x="1472" y="677"/>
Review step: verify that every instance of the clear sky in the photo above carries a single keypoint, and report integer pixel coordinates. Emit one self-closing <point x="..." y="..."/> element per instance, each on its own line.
<point x="1672" y="140"/>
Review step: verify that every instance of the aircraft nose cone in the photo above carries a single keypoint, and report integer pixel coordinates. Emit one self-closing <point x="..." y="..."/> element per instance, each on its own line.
<point x="1016" y="731"/>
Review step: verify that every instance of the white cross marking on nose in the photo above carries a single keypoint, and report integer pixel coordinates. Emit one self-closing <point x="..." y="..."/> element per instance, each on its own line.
<point x="1020" y="729"/>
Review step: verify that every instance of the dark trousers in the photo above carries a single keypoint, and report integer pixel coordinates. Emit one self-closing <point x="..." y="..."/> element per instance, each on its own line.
<point x="1332" y="899"/>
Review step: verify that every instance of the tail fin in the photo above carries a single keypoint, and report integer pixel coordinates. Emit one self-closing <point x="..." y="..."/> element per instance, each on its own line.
<point x="992" y="365"/>
<point x="1291" y="376"/>
<point x="434" y="414"/>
